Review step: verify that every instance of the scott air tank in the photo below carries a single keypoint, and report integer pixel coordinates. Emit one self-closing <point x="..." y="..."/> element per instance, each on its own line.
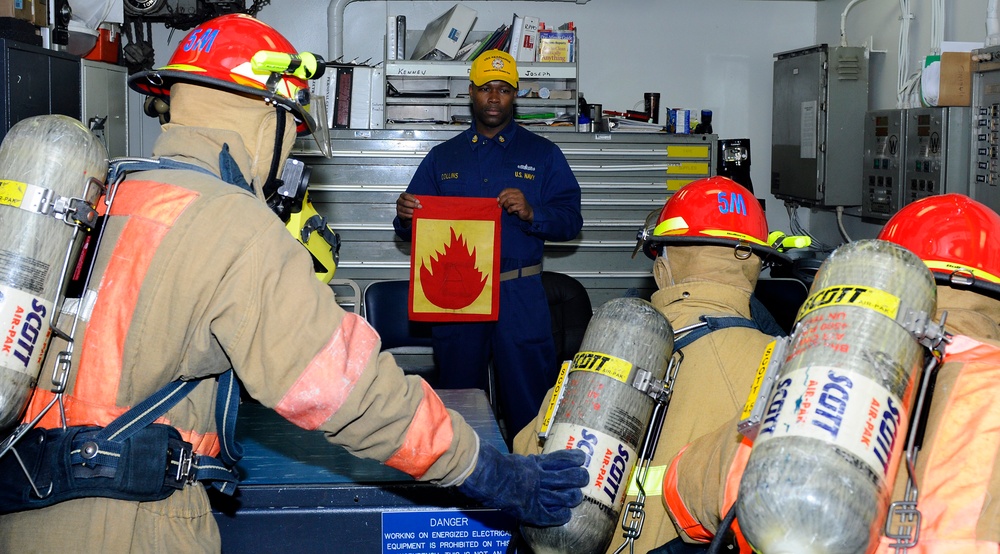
<point x="822" y="467"/>
<point x="603" y="413"/>
<point x="45" y="162"/>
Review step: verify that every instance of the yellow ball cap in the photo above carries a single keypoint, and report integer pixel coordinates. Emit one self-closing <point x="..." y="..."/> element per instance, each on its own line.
<point x="493" y="65"/>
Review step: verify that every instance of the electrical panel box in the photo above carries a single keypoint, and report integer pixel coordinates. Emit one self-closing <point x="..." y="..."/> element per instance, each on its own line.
<point x="985" y="171"/>
<point x="820" y="101"/>
<point x="937" y="152"/>
<point x="882" y="172"/>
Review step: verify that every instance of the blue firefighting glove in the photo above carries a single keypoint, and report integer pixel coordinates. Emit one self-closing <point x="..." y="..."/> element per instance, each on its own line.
<point x="537" y="490"/>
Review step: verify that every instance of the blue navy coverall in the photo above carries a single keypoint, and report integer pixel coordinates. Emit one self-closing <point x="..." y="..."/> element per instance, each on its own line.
<point x="520" y="341"/>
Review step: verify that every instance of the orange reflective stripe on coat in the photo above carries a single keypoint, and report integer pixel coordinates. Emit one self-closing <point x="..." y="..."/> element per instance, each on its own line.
<point x="732" y="492"/>
<point x="332" y="374"/>
<point x="151" y="210"/>
<point x="682" y="514"/>
<point x="428" y="437"/>
<point x="959" y="465"/>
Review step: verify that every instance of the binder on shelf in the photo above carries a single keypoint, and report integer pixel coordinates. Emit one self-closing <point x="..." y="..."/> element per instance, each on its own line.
<point x="377" y="117"/>
<point x="342" y="88"/>
<point x="401" y="33"/>
<point x="391" y="38"/>
<point x="516" y="28"/>
<point x="356" y="96"/>
<point x="501" y="44"/>
<point x="444" y="36"/>
<point x="527" y="48"/>
<point x="467" y="50"/>
<point x="395" y="37"/>
<point x="497" y="38"/>
<point x="487" y="43"/>
<point x="361" y="97"/>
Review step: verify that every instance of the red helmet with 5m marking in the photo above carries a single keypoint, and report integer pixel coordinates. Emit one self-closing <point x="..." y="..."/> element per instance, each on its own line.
<point x="711" y="211"/>
<point x="218" y="54"/>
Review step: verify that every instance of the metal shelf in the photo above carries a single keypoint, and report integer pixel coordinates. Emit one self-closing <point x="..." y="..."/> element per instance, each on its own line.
<point x="450" y="80"/>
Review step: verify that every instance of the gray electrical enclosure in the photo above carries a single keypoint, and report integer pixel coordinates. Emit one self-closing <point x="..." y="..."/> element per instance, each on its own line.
<point x="985" y="134"/>
<point x="882" y="170"/>
<point x="937" y="152"/>
<point x="820" y="100"/>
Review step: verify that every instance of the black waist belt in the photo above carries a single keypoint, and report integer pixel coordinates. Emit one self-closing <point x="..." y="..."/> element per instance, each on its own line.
<point x="521" y="272"/>
<point x="131" y="458"/>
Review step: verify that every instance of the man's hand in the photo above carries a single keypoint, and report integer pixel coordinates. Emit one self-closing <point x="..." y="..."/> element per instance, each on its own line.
<point x="513" y="202"/>
<point x="405" y="205"/>
<point x="538" y="490"/>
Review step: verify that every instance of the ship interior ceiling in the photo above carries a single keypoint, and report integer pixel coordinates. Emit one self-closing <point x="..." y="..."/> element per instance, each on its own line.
<point x="833" y="115"/>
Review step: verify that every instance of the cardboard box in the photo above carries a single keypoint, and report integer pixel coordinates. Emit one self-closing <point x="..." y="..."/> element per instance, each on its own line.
<point x="444" y="36"/>
<point x="39" y="12"/>
<point x="956" y="79"/>
<point x="19" y="9"/>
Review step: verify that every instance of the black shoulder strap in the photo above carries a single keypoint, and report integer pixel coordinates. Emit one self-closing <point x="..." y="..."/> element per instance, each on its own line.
<point x="111" y="439"/>
<point x="762" y="321"/>
<point x="712" y="324"/>
<point x="230" y="171"/>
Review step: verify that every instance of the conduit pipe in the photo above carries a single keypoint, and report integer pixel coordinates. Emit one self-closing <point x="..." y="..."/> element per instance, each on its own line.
<point x="992" y="24"/>
<point x="335" y="23"/>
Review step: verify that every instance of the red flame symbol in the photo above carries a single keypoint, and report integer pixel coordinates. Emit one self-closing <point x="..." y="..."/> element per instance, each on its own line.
<point x="451" y="282"/>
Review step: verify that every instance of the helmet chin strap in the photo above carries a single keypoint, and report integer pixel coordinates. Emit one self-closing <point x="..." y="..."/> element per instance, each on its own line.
<point x="271" y="184"/>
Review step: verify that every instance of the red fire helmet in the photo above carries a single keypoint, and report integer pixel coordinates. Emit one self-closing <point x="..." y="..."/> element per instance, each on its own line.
<point x="714" y="210"/>
<point x="217" y="53"/>
<point x="954" y="235"/>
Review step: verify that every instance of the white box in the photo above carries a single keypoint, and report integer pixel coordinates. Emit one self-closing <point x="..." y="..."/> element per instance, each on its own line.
<point x="361" y="98"/>
<point x="528" y="48"/>
<point x="445" y="35"/>
<point x="377" y="119"/>
<point x="391" y="38"/>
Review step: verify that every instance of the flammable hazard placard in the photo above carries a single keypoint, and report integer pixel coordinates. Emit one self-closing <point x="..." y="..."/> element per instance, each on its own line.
<point x="455" y="260"/>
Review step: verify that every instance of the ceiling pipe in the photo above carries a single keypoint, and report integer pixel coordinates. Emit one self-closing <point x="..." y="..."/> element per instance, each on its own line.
<point x="335" y="23"/>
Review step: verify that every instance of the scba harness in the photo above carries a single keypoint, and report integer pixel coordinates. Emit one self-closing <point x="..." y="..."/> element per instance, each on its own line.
<point x="760" y="319"/>
<point x="132" y="458"/>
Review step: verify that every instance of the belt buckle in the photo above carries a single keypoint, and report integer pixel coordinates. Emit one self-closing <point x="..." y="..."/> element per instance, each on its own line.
<point x="185" y="465"/>
<point x="907" y="534"/>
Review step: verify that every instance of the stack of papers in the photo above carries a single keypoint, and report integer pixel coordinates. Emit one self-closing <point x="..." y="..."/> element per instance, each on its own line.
<point x="633" y="126"/>
<point x="544" y="119"/>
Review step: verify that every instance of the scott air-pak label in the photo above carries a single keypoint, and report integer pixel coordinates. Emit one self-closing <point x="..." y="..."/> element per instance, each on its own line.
<point x="609" y="461"/>
<point x="851" y="295"/>
<point x="839" y="407"/>
<point x="604" y="364"/>
<point x="25" y="330"/>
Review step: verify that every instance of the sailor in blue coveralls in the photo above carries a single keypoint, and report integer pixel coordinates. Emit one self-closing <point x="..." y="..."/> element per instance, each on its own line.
<point x="540" y="198"/>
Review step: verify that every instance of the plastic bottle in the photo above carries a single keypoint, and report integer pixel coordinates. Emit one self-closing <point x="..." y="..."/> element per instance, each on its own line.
<point x="822" y="467"/>
<point x="704" y="126"/>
